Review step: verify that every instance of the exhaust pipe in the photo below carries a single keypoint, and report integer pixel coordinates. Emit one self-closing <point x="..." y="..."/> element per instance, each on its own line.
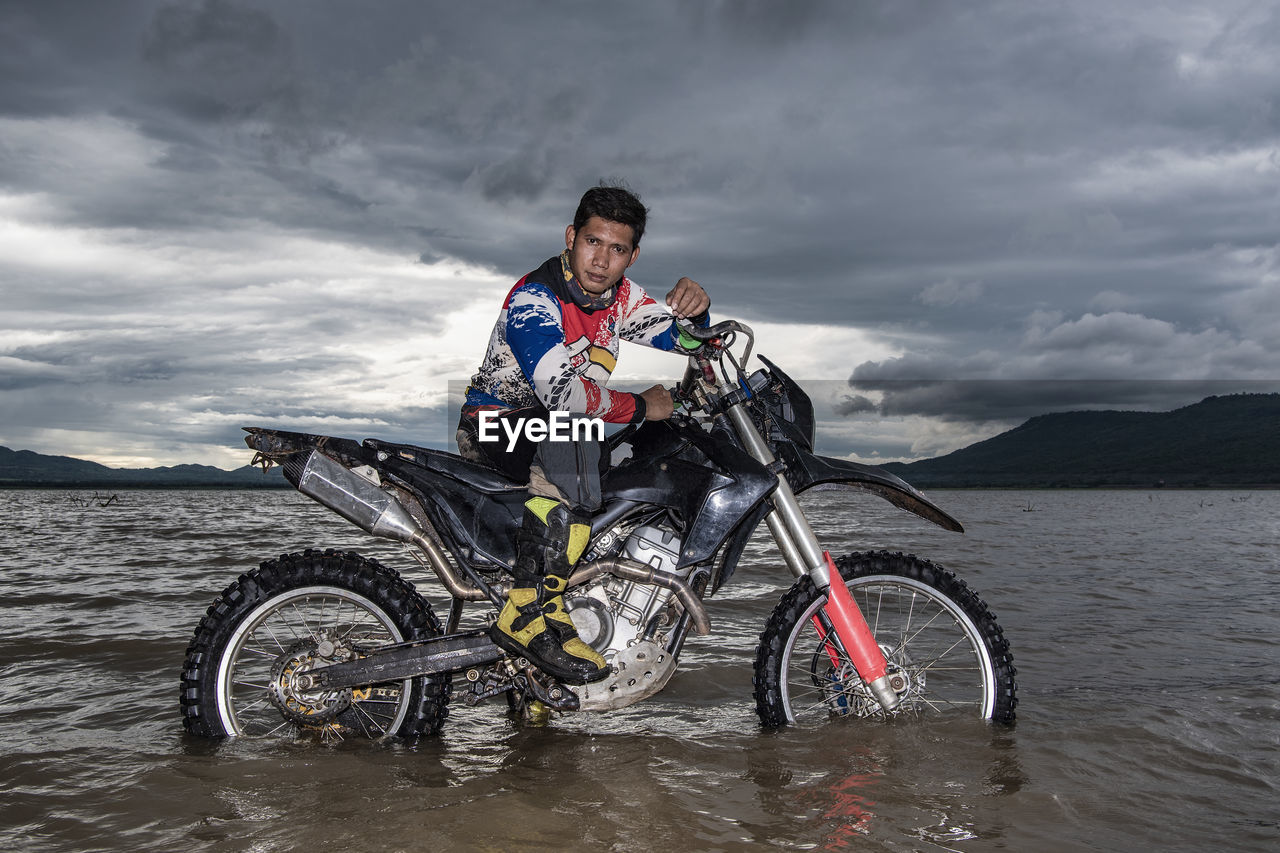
<point x="368" y="507"/>
<point x="356" y="499"/>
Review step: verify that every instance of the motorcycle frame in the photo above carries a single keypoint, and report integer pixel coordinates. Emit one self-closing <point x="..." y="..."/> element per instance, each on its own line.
<point x="339" y="473"/>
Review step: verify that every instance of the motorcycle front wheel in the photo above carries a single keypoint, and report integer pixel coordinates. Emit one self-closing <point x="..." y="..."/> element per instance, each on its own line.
<point x="245" y="669"/>
<point x="934" y="631"/>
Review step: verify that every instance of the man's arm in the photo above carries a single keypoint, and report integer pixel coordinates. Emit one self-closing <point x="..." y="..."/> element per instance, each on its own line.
<point x="645" y="321"/>
<point x="687" y="301"/>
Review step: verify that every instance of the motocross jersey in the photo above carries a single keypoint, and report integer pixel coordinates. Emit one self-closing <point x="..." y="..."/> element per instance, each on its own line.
<point x="554" y="347"/>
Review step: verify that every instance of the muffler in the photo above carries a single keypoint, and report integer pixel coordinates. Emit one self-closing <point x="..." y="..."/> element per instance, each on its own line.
<point x="356" y="499"/>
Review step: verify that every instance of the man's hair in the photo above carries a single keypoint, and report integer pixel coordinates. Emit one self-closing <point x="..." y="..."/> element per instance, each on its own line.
<point x="615" y="204"/>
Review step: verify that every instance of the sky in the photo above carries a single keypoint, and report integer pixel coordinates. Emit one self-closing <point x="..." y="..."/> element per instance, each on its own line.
<point x="941" y="218"/>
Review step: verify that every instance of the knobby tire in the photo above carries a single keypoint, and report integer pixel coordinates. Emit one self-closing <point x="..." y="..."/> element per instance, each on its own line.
<point x="288" y="598"/>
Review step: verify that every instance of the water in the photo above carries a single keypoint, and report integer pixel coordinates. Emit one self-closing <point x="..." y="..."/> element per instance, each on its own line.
<point x="1144" y="626"/>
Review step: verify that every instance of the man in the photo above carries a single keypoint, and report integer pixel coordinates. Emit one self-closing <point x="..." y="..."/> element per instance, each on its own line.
<point x="552" y="350"/>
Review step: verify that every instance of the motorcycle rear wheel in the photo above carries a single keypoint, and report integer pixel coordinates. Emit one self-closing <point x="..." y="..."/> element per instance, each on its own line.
<point x="243" y="665"/>
<point x="933" y="629"/>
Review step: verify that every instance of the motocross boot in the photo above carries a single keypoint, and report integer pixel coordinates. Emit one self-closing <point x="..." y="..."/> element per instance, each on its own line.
<point x="533" y="623"/>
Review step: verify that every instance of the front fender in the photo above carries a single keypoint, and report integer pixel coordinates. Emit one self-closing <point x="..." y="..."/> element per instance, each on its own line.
<point x="806" y="470"/>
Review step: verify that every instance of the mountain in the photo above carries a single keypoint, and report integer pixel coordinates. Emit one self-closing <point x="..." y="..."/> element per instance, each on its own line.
<point x="25" y="468"/>
<point x="1231" y="440"/>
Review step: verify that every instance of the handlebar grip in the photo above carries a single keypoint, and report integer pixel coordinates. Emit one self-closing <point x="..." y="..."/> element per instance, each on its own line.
<point x="685" y="340"/>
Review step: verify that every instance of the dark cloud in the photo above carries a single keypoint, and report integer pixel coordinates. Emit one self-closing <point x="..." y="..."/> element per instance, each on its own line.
<point x="855" y="405"/>
<point x="1003" y="191"/>
<point x="517" y="179"/>
<point x="1009" y="401"/>
<point x="220" y="59"/>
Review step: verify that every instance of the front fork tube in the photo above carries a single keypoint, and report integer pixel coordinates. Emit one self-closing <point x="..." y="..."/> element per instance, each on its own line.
<point x="840" y="621"/>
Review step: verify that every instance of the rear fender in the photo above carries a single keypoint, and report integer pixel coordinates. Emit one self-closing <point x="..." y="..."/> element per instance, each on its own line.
<point x="280" y="446"/>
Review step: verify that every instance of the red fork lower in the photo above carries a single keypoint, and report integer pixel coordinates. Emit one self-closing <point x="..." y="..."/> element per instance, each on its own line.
<point x="855" y="636"/>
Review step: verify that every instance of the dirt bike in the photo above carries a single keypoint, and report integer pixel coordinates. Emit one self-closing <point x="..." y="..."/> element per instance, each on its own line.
<point x="340" y="645"/>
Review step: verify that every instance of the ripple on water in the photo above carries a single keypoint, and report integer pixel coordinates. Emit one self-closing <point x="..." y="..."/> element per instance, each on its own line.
<point x="1143" y="625"/>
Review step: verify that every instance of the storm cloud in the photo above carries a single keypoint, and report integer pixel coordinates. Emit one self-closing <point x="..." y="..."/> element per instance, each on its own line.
<point x="223" y="212"/>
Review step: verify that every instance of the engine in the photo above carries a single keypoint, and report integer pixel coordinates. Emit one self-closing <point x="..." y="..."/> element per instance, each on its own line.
<point x="612" y="614"/>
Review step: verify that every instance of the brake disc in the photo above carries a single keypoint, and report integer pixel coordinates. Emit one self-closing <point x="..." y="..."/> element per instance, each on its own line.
<point x="847" y="695"/>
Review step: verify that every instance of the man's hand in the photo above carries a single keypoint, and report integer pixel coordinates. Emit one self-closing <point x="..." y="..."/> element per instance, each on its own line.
<point x="688" y="299"/>
<point x="657" y="403"/>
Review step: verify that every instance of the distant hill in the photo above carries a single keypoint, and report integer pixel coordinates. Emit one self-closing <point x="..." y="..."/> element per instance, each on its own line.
<point x="1232" y="440"/>
<point x="27" y="469"/>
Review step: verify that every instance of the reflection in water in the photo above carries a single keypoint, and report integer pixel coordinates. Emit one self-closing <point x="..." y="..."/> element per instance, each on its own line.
<point x="838" y="804"/>
<point x="848" y="786"/>
<point x="1005" y="776"/>
<point x="850" y="811"/>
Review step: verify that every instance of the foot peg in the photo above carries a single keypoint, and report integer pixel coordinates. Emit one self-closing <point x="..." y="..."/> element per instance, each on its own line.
<point x="553" y="694"/>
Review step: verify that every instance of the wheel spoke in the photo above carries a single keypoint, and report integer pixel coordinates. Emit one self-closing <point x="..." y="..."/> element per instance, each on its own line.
<point x="279" y="645"/>
<point x="939" y="657"/>
<point x="302" y="618"/>
<point x="820" y="703"/>
<point x="362" y="715"/>
<point x="252" y="685"/>
<point x="254" y="705"/>
<point x="283" y="725"/>
<point x="906" y="640"/>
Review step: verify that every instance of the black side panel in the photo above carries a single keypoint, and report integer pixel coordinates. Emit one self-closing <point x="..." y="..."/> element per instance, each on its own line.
<point x="736" y="545"/>
<point x="479" y="526"/>
<point x="656" y="440"/>
<point x="475" y="506"/>
<point x="709" y="503"/>
<point x="670" y="468"/>
<point x="475" y="474"/>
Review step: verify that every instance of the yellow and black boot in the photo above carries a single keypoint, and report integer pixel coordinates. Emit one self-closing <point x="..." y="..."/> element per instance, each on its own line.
<point x="533" y="622"/>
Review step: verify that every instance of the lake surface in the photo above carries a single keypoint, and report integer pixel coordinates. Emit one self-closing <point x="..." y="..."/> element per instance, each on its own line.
<point x="1144" y="626"/>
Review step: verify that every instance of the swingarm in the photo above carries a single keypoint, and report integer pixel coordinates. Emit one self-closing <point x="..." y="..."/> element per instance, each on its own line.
<point x="450" y="653"/>
<point x="470" y="651"/>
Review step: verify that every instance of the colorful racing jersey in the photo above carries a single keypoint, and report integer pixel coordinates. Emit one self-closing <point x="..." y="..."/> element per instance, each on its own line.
<point x="554" y="348"/>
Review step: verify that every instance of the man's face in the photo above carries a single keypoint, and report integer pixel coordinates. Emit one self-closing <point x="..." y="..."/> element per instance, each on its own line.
<point x="599" y="253"/>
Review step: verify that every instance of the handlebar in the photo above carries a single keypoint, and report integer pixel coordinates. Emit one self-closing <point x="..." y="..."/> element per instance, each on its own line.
<point x="719" y="330"/>
<point x="712" y="338"/>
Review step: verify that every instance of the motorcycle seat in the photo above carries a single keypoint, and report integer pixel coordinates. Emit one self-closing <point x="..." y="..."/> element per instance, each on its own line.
<point x="481" y="477"/>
